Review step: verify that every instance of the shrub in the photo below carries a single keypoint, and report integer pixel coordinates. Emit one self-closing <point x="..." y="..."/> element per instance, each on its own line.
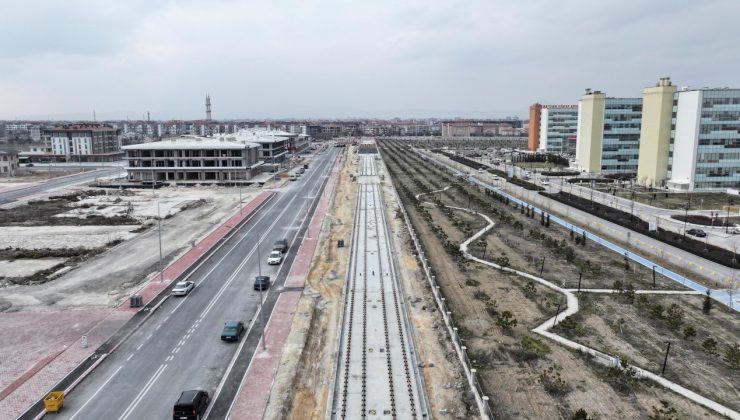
<point x="689" y="332"/>
<point x="530" y="290"/>
<point x="581" y="414"/>
<point x="664" y="412"/>
<point x="623" y="377"/>
<point x="481" y="295"/>
<point x="674" y="316"/>
<point x="491" y="308"/>
<point x="506" y="321"/>
<point x="732" y="356"/>
<point x="656" y="311"/>
<point x="553" y="383"/>
<point x="535" y="345"/>
<point x="710" y="346"/>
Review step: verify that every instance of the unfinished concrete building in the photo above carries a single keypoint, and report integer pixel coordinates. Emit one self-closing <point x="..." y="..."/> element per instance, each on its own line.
<point x="193" y="160"/>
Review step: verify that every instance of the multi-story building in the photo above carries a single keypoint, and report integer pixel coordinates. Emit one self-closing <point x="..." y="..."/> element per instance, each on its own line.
<point x="193" y="160"/>
<point x="89" y="142"/>
<point x="655" y="133"/>
<point x="704" y="151"/>
<point x="608" y="133"/>
<point x="8" y="162"/>
<point x="552" y="128"/>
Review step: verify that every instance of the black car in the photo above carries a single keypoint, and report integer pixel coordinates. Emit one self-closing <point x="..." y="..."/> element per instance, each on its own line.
<point x="232" y="330"/>
<point x="261" y="283"/>
<point x="697" y="232"/>
<point x="191" y="405"/>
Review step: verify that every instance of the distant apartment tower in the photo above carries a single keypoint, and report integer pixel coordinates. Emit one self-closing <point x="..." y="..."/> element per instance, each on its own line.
<point x="608" y="133"/>
<point x="552" y="128"/>
<point x="88" y="142"/>
<point x="704" y="151"/>
<point x="655" y="133"/>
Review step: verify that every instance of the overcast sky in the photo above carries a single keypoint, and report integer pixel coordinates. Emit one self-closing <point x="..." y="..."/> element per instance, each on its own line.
<point x="348" y="58"/>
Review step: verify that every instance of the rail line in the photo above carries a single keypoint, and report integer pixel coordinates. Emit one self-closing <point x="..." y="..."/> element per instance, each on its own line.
<point x="376" y="373"/>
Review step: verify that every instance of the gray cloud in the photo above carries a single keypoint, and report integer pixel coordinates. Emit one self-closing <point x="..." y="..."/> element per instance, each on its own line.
<point x="338" y="58"/>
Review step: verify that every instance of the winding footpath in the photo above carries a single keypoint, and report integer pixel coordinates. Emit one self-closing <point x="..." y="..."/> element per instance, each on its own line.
<point x="572" y="308"/>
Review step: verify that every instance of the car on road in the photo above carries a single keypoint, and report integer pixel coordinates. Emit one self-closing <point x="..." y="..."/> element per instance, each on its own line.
<point x="481" y="170"/>
<point x="697" y="232"/>
<point x="545" y="182"/>
<point x="275" y="258"/>
<point x="183" y="288"/>
<point x="261" y="283"/>
<point x="293" y="178"/>
<point x="191" y="405"/>
<point x="232" y="330"/>
<point x="280" y="245"/>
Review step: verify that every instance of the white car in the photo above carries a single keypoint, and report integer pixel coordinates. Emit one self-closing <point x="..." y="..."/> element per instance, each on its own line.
<point x="183" y="288"/>
<point x="481" y="170"/>
<point x="275" y="257"/>
<point x="545" y="182"/>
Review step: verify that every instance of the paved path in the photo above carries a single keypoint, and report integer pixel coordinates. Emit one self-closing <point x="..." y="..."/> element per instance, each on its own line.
<point x="8" y="196"/>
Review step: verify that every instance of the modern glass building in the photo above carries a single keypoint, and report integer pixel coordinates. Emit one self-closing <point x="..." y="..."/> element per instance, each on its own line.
<point x="704" y="151"/>
<point x="558" y="126"/>
<point x="621" y="139"/>
<point x="608" y="136"/>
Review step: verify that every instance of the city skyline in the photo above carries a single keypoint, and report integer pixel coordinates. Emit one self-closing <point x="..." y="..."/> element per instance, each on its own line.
<point x="334" y="60"/>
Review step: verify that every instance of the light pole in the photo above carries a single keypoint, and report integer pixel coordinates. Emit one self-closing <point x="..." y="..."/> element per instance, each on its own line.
<point x="159" y="231"/>
<point x="262" y="315"/>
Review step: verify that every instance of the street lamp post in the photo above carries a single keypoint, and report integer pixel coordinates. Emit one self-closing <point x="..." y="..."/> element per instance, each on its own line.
<point x="159" y="231"/>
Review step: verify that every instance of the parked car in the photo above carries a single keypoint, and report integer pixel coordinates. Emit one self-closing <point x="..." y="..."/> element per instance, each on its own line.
<point x="481" y="170"/>
<point x="697" y="232"/>
<point x="183" y="288"/>
<point x="261" y="283"/>
<point x="545" y="182"/>
<point x="281" y="245"/>
<point x="29" y="165"/>
<point x="293" y="178"/>
<point x="191" y="405"/>
<point x="275" y="258"/>
<point x="232" y="330"/>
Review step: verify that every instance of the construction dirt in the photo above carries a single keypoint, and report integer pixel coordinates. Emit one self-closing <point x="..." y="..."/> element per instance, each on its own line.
<point x="523" y="374"/>
<point x="120" y="257"/>
<point x="304" y="382"/>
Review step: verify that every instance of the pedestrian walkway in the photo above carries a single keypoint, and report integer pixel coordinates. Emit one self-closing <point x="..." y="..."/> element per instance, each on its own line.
<point x="254" y="391"/>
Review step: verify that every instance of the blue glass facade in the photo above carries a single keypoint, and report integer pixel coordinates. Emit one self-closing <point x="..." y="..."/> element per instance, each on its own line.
<point x="562" y="124"/>
<point x="621" y="138"/>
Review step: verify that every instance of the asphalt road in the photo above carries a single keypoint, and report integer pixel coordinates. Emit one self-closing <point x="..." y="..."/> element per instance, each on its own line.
<point x="52" y="184"/>
<point x="178" y="347"/>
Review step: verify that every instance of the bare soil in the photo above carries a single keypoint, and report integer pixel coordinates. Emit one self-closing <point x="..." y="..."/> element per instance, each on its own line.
<point x="615" y="326"/>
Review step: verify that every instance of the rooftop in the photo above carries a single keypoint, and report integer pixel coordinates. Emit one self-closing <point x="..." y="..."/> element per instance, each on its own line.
<point x="193" y="143"/>
<point x="84" y="127"/>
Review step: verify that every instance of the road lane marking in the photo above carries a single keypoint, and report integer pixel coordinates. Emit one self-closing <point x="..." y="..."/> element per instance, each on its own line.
<point x="96" y="393"/>
<point x="129" y="357"/>
<point x="139" y="347"/>
<point x="143" y="392"/>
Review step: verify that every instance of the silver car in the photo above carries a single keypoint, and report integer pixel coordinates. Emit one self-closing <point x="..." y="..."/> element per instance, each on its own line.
<point x="182" y="288"/>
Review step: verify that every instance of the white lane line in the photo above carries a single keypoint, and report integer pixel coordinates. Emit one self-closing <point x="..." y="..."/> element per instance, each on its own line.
<point x="143" y="392"/>
<point x="177" y="350"/>
<point x="129" y="357"/>
<point x="157" y="327"/>
<point x="139" y="346"/>
<point x="96" y="393"/>
<point x="148" y="337"/>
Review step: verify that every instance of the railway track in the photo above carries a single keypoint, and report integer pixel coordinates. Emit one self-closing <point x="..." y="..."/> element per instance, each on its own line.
<point x="376" y="376"/>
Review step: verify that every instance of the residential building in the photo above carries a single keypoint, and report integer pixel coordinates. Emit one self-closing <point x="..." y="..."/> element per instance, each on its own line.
<point x="704" y="151"/>
<point x="655" y="133"/>
<point x="88" y="142"/>
<point x="608" y="134"/>
<point x="193" y="160"/>
<point x="8" y="162"/>
<point x="552" y="128"/>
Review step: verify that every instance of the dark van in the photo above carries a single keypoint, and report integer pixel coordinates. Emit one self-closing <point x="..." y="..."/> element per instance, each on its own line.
<point x="191" y="405"/>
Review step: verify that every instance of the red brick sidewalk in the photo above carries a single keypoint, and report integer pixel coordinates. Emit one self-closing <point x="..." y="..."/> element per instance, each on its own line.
<point x="254" y="393"/>
<point x="41" y="348"/>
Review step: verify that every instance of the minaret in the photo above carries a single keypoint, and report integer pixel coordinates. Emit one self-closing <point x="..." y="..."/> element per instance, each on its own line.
<point x="208" y="107"/>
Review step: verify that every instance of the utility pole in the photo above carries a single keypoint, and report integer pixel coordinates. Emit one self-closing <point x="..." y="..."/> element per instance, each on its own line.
<point x="580" y="276"/>
<point x="555" y="320"/>
<point x="542" y="267"/>
<point x="665" y="360"/>
<point x="686" y="217"/>
<point x="653" y="277"/>
<point x="262" y="315"/>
